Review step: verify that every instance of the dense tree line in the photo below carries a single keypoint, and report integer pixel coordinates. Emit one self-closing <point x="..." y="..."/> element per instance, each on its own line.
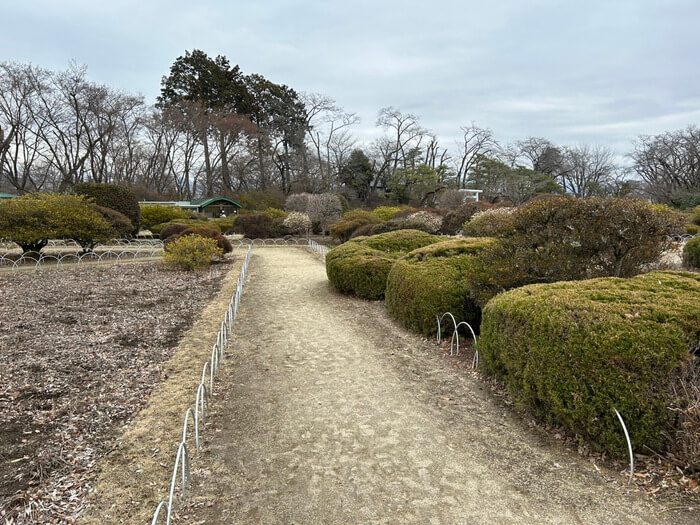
<point x="216" y="130"/>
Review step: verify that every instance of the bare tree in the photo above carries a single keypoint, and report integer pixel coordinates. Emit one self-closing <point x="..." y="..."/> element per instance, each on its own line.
<point x="668" y="162"/>
<point x="400" y="148"/>
<point x="587" y="169"/>
<point x="436" y="156"/>
<point x="19" y="143"/>
<point x="477" y="143"/>
<point x="328" y="129"/>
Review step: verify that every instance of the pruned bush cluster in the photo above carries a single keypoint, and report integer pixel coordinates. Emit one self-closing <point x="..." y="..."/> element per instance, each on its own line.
<point x="454" y="220"/>
<point x="361" y="266"/>
<point x="115" y="197"/>
<point x="221" y="242"/>
<point x="577" y="334"/>
<point x="190" y="223"/>
<point x="32" y="220"/>
<point x="153" y="215"/>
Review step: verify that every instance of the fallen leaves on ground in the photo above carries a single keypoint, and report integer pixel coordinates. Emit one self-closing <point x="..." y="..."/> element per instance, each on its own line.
<point x="81" y="349"/>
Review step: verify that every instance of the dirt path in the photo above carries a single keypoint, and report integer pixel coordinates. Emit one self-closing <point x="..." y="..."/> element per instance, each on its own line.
<point x="333" y="414"/>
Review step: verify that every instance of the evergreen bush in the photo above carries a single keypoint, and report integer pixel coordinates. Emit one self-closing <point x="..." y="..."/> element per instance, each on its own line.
<point x="115" y="197"/>
<point x="361" y="266"/>
<point x="570" y="352"/>
<point x="120" y="223"/>
<point x="254" y="226"/>
<point x="191" y="223"/>
<point x="432" y="280"/>
<point x="155" y="214"/>
<point x="691" y="253"/>
<point x="31" y="220"/>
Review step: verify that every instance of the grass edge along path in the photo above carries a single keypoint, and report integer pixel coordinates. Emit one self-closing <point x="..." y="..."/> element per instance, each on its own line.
<point x="134" y="478"/>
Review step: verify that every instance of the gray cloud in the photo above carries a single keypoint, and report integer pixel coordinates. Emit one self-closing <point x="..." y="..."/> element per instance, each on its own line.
<point x="598" y="71"/>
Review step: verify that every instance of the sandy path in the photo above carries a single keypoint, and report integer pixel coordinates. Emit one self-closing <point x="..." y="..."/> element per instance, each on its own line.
<point x="333" y="414"/>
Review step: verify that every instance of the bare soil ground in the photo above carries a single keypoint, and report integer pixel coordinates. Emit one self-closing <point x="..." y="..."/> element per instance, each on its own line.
<point x="334" y="414"/>
<point x="81" y="349"/>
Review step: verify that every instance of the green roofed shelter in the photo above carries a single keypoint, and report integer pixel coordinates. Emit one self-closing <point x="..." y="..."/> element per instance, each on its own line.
<point x="212" y="207"/>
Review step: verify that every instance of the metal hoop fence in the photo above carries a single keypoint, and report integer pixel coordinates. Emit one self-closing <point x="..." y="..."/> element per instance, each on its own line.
<point x="202" y="400"/>
<point x="454" y="350"/>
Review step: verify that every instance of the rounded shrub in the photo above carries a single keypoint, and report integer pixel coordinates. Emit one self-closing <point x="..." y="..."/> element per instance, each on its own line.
<point x="115" y="197"/>
<point x="492" y="222"/>
<point x="691" y="253"/>
<point x="430" y="222"/>
<point x="570" y="352"/>
<point x="453" y="221"/>
<point x="172" y="229"/>
<point x="254" y="225"/>
<point x="361" y="266"/>
<point x="120" y="223"/>
<point x="386" y="213"/>
<point x="191" y="252"/>
<point x="275" y="213"/>
<point x="225" y="224"/>
<point x="432" y="280"/>
<point x="221" y="242"/>
<point x="400" y="242"/>
<point x="695" y="215"/>
<point x="345" y="228"/>
<point x="297" y="223"/>
<point x="562" y="238"/>
<point x="402" y="223"/>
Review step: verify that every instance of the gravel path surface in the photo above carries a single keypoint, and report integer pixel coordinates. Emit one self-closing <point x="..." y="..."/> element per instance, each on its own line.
<point x="334" y="414"/>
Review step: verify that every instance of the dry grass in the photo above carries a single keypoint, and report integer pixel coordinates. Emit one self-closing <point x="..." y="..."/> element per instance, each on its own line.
<point x="136" y="476"/>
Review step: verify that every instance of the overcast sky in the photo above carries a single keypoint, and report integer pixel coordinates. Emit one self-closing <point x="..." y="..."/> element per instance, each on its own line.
<point x="600" y="72"/>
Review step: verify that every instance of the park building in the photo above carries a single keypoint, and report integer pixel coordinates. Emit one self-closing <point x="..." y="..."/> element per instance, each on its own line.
<point x="212" y="207"/>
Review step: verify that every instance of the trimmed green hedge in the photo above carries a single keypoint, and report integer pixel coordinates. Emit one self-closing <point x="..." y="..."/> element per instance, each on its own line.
<point x="571" y="351"/>
<point x="361" y="266"/>
<point x="432" y="280"/>
<point x="691" y="253"/>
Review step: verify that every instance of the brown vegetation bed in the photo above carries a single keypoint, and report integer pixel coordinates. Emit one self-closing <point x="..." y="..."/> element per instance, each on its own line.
<point x="81" y="350"/>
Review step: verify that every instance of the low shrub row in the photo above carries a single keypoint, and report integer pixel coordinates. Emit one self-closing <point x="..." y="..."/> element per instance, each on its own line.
<point x="222" y="242"/>
<point x="190" y="223"/>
